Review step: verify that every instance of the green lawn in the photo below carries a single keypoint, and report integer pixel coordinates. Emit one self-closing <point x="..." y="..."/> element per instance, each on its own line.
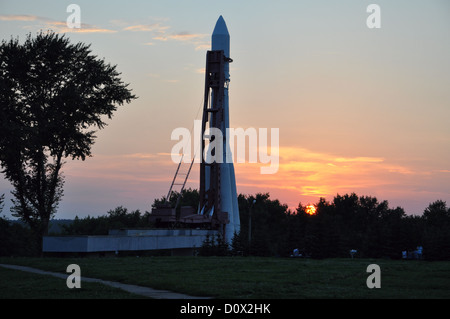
<point x="239" y="277"/>
<point x="16" y="284"/>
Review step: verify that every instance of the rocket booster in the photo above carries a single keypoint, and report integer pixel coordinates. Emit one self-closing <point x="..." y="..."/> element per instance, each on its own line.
<point x="221" y="42"/>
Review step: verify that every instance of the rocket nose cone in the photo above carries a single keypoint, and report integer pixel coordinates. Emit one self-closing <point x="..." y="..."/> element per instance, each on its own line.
<point x="221" y="27"/>
<point x="220" y="39"/>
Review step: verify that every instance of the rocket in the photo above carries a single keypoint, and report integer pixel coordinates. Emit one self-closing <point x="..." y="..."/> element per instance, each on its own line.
<point x="221" y="41"/>
<point x="227" y="201"/>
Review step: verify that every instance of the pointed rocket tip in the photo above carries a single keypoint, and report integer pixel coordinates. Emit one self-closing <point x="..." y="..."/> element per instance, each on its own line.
<point x="221" y="27"/>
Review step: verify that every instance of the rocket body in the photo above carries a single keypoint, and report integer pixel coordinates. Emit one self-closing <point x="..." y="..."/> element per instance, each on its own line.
<point x="228" y="192"/>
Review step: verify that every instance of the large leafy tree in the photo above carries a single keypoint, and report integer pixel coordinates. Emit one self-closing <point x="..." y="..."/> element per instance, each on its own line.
<point x="436" y="239"/>
<point x="53" y="96"/>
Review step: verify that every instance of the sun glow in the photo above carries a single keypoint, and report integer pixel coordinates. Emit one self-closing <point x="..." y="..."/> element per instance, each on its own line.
<point x="310" y="210"/>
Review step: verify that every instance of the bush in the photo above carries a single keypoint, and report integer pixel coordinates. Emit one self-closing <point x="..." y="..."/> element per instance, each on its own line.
<point x="214" y="246"/>
<point x="17" y="240"/>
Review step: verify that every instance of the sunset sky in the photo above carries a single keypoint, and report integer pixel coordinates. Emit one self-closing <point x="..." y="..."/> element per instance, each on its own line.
<point x="358" y="110"/>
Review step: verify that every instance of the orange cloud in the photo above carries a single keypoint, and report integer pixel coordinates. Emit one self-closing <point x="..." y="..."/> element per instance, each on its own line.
<point x="305" y="174"/>
<point x="19" y="17"/>
<point x="57" y="26"/>
<point x="196" y="39"/>
<point x="181" y="36"/>
<point x="203" y="46"/>
<point x="61" y="27"/>
<point x="186" y="36"/>
<point x="146" y="28"/>
<point x="359" y="159"/>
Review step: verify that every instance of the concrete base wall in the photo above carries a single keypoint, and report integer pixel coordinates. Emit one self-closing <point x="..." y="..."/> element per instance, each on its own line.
<point x="128" y="240"/>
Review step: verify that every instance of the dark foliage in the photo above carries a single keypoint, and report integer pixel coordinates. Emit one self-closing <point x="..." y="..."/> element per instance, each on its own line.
<point x="348" y="222"/>
<point x="17" y="239"/>
<point x="189" y="197"/>
<point x="214" y="246"/>
<point x="114" y="219"/>
<point x="269" y="220"/>
<point x="53" y="94"/>
<point x="436" y="225"/>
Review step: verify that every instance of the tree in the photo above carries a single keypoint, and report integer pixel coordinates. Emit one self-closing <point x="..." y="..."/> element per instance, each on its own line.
<point x="237" y="246"/>
<point x="436" y="239"/>
<point x="2" y="199"/>
<point x="437" y="212"/>
<point x="53" y="94"/>
<point x="101" y="225"/>
<point x="214" y="245"/>
<point x="189" y="197"/>
<point x="268" y="224"/>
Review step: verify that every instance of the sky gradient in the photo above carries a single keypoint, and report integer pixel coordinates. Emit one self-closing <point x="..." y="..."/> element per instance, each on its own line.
<point x="359" y="110"/>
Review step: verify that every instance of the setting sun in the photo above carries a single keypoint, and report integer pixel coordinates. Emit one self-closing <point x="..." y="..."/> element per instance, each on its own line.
<point x="310" y="210"/>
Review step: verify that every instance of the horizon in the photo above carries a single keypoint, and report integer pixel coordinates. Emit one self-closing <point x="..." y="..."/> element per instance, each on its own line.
<point x="359" y="110"/>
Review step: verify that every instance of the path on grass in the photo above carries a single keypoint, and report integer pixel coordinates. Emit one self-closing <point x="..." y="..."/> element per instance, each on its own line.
<point x="139" y="290"/>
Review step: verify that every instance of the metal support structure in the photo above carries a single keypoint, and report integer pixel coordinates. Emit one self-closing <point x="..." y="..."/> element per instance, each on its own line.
<point x="210" y="199"/>
<point x="218" y="207"/>
<point x="183" y="184"/>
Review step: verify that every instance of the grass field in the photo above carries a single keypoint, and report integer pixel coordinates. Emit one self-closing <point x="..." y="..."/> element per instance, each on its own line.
<point x="231" y="277"/>
<point x="16" y="284"/>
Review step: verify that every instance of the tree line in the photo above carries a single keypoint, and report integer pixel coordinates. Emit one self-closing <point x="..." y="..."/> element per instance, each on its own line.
<point x="348" y="222"/>
<point x="270" y="228"/>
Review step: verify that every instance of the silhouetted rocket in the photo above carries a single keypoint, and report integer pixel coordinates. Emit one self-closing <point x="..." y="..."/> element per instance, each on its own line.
<point x="221" y="41"/>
